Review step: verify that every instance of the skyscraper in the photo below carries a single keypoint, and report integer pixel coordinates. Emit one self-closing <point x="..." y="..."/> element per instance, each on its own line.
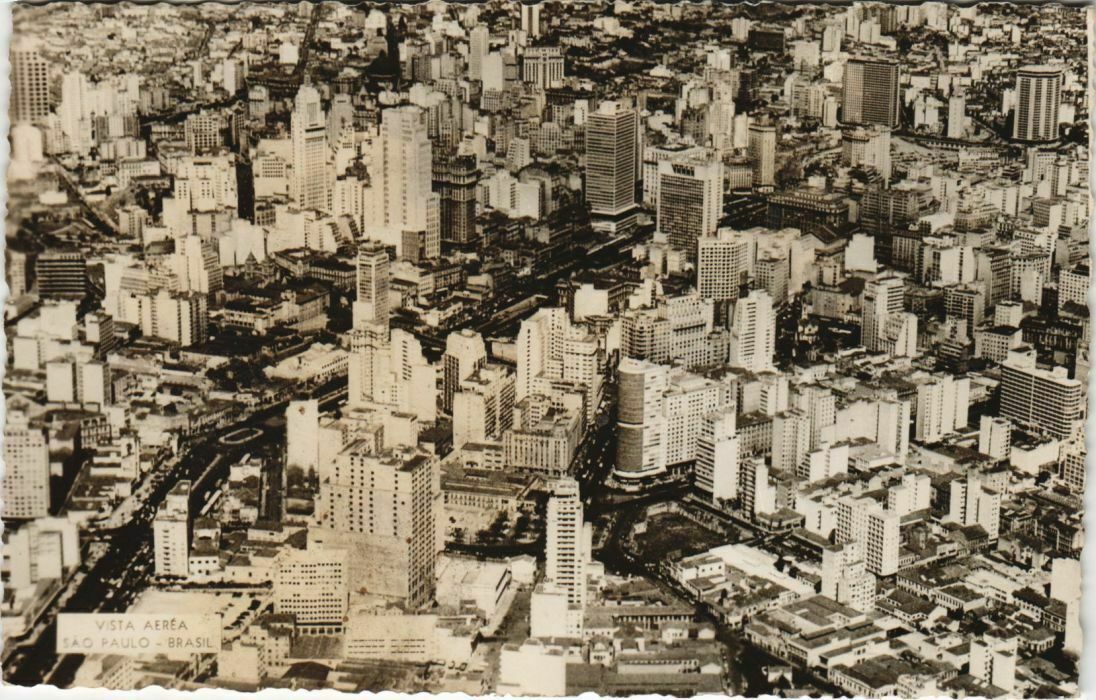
<point x="612" y="134"/>
<point x="464" y="354"/>
<point x="957" y="114"/>
<point x="171" y="533"/>
<point x="392" y="549"/>
<point x="641" y="449"/>
<point x="530" y="20"/>
<point x="762" y="149"/>
<point x="308" y="186"/>
<point x="479" y="41"/>
<point x="865" y="521"/>
<point x="716" y="472"/>
<point x="870" y="92"/>
<point x="302" y="431"/>
<point x="204" y="132"/>
<point x="723" y="262"/>
<point x="690" y="200"/>
<point x="403" y="170"/>
<point x="1038" y="92"/>
<point x="540" y="348"/>
<point x="373" y="274"/>
<point x="483" y="408"/>
<point x="753" y="332"/>
<point x="312" y="585"/>
<point x="943" y="404"/>
<point x="26" y="460"/>
<point x="845" y="578"/>
<point x="74" y="113"/>
<point x="565" y="564"/>
<point x="455" y="180"/>
<point x="29" y="82"/>
<point x="884" y="297"/>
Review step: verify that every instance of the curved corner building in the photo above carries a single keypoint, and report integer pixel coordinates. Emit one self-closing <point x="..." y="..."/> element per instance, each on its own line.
<point x="640" y="424"/>
<point x="1038" y="92"/>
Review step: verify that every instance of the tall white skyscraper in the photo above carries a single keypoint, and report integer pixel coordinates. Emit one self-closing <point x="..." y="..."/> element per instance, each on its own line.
<point x="845" y="578"/>
<point x="869" y="147"/>
<point x="972" y="501"/>
<point x="865" y="521"/>
<point x="791" y="440"/>
<point x="383" y="508"/>
<point x="540" y="347"/>
<point x="312" y="585"/>
<point x="753" y="332"/>
<point x="171" y="533"/>
<point x="993" y="660"/>
<point x="717" y="456"/>
<point x="308" y="186"/>
<point x="565" y="556"/>
<point x="957" y="114"/>
<point x="641" y="447"/>
<point x="943" y="404"/>
<point x="542" y="66"/>
<point x="1038" y="92"/>
<point x="73" y="113"/>
<point x="479" y="41"/>
<point x="203" y="273"/>
<point x="884" y="297"/>
<point x="403" y="184"/>
<point x="464" y="354"/>
<point x="994" y="437"/>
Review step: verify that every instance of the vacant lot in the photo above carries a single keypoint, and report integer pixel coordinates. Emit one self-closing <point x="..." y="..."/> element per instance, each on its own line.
<point x="671" y="536"/>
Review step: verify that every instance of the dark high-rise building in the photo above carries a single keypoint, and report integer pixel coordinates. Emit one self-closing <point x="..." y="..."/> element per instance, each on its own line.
<point x="61" y="275"/>
<point x="766" y="39"/>
<point x="29" y="82"/>
<point x="870" y="93"/>
<point x="455" y="180"/>
<point x="611" y="169"/>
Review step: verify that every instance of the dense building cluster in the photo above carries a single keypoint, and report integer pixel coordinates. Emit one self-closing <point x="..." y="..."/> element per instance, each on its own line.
<point x="537" y="349"/>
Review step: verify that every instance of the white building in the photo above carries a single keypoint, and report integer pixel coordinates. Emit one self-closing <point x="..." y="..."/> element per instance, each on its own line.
<point x="724" y="263"/>
<point x="943" y="403"/>
<point x="308" y="186"/>
<point x="753" y="332"/>
<point x="312" y="585"/>
<point x="716" y="470"/>
<point x="302" y="430"/>
<point x="864" y="521"/>
<point x="26" y="467"/>
<point x="171" y="533"/>
<point x="402" y="182"/>
<point x="993" y="661"/>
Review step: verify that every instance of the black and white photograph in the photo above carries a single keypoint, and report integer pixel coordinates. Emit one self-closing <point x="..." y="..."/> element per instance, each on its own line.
<point x="538" y="349"/>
